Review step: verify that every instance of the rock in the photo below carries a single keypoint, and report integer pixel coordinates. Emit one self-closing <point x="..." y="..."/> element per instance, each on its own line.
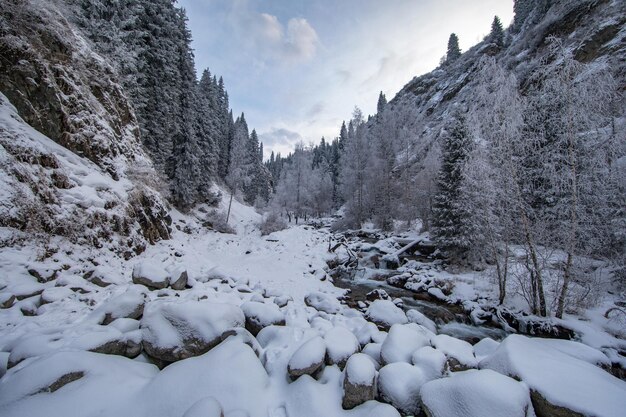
<point x="129" y="346"/>
<point x="399" y="384"/>
<point x="99" y="277"/>
<point x="43" y="275"/>
<point x="459" y="352"/>
<point x="340" y="345"/>
<point x="7" y="300"/>
<point x="485" y="348"/>
<point x="323" y="302"/>
<point x="62" y="381"/>
<point x="308" y="359"/>
<point x="180" y="330"/>
<point x="128" y="305"/>
<point x="560" y="384"/>
<point x="282" y="301"/>
<point x="431" y="361"/>
<point x="179" y="280"/>
<point x="50" y="295"/>
<point x="417" y="317"/>
<point x="260" y="315"/>
<point x="401" y="342"/>
<point x="474" y="393"/>
<point x="373" y="351"/>
<point x="150" y="274"/>
<point x="377" y="294"/>
<point x="205" y="407"/>
<point x="359" y="383"/>
<point x="385" y="313"/>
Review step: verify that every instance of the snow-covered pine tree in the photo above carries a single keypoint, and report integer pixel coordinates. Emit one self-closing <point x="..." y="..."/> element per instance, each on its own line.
<point x="454" y="51"/>
<point x="497" y="32"/>
<point x="451" y="228"/>
<point x="382" y="102"/>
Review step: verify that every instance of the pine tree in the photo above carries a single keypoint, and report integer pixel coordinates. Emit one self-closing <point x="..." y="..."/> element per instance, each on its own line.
<point x="454" y="51"/>
<point x="450" y="227"/>
<point x="497" y="32"/>
<point x="382" y="102"/>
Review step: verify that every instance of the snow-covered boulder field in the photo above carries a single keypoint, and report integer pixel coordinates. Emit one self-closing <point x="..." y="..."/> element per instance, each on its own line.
<point x="239" y="340"/>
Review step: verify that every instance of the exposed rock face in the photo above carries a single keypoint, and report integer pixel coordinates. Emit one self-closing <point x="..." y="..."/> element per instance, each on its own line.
<point x="63" y="89"/>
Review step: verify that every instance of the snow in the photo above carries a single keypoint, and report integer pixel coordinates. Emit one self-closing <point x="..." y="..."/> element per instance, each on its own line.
<point x="263" y="314"/>
<point x="561" y="379"/>
<point x="431" y="361"/>
<point x="402" y="341"/>
<point x="473" y="393"/>
<point x="455" y="348"/>
<point x="205" y="407"/>
<point x="400" y="384"/>
<point x="168" y="324"/>
<point x="152" y="272"/>
<point x="310" y="353"/>
<point x="360" y="370"/>
<point x="323" y="302"/>
<point x="417" y="317"/>
<point x="485" y="348"/>
<point x="340" y="345"/>
<point x="385" y="313"/>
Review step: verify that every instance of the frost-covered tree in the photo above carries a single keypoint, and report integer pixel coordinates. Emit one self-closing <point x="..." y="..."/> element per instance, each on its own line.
<point x="454" y="51"/>
<point x="382" y="102"/>
<point x="497" y="32"/>
<point x="451" y="226"/>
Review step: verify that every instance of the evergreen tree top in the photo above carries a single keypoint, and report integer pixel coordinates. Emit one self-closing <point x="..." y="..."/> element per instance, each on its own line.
<point x="454" y="51"/>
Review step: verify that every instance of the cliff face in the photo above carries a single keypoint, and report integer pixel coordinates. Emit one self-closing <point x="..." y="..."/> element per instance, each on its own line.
<point x="70" y="95"/>
<point x="594" y="30"/>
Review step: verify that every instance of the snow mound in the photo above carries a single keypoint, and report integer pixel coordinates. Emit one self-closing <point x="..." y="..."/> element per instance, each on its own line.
<point x="308" y="359"/>
<point x="260" y="315"/>
<point x="456" y="349"/>
<point x="323" y="302"/>
<point x="385" y="314"/>
<point x="475" y="393"/>
<point x="429" y="360"/>
<point x="340" y="345"/>
<point x="558" y="380"/>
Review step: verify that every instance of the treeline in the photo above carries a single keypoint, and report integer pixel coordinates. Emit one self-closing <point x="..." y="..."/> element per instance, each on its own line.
<point x="186" y="124"/>
<point x="535" y="167"/>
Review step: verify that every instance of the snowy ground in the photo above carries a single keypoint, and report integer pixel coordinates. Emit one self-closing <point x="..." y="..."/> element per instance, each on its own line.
<point x="53" y="331"/>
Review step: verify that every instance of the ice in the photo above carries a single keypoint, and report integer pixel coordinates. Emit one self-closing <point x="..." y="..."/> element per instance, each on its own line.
<point x="562" y="380"/>
<point x="473" y="393"/>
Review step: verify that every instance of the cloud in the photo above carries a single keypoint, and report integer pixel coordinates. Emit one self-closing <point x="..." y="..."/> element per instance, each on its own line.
<point x="276" y="137"/>
<point x="266" y="35"/>
<point x="316" y="109"/>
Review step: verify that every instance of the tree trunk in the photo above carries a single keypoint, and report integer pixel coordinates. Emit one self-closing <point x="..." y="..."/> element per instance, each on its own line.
<point x="229" y="204"/>
<point x="567" y="274"/>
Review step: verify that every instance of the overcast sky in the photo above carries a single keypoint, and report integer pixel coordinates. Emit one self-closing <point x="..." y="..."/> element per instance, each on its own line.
<point x="297" y="68"/>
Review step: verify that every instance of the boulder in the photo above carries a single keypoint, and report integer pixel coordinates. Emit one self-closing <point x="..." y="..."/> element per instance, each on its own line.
<point x="459" y="352"/>
<point x="475" y="393"/>
<point x="150" y="274"/>
<point x="7" y="300"/>
<point x="100" y="278"/>
<point x="180" y="330"/>
<point x="431" y="361"/>
<point x="261" y="315"/>
<point x="377" y="294"/>
<point x="179" y="279"/>
<point x="340" y="345"/>
<point x="127" y="305"/>
<point x="401" y="342"/>
<point x="323" y="302"/>
<point x="399" y="384"/>
<point x="308" y="359"/>
<point x="385" y="313"/>
<point x="359" y="383"/>
<point x="560" y="384"/>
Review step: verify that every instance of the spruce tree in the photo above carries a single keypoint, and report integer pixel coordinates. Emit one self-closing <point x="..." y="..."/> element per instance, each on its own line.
<point x="454" y="51"/>
<point x="450" y="215"/>
<point x="382" y="102"/>
<point x="497" y="32"/>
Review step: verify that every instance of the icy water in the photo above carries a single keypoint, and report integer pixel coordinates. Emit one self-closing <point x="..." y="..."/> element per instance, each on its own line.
<point x="450" y="319"/>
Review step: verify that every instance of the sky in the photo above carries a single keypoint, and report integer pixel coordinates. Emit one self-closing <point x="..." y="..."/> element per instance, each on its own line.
<point x="297" y="68"/>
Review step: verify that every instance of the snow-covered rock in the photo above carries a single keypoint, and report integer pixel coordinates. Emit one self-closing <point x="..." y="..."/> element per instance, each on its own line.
<point x="130" y="305"/>
<point x="373" y="351"/>
<point x="151" y="274"/>
<point x="205" y="407"/>
<point x="308" y="359"/>
<point x="260" y="315"/>
<point x="359" y="384"/>
<point x="460" y="353"/>
<point x="473" y="393"/>
<point x="178" y="279"/>
<point x="417" y="317"/>
<point x="385" y="314"/>
<point x="560" y="384"/>
<point x="399" y="384"/>
<point x="485" y="347"/>
<point x="179" y="330"/>
<point x="429" y="360"/>
<point x="323" y="302"/>
<point x="340" y="345"/>
<point x="401" y="342"/>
